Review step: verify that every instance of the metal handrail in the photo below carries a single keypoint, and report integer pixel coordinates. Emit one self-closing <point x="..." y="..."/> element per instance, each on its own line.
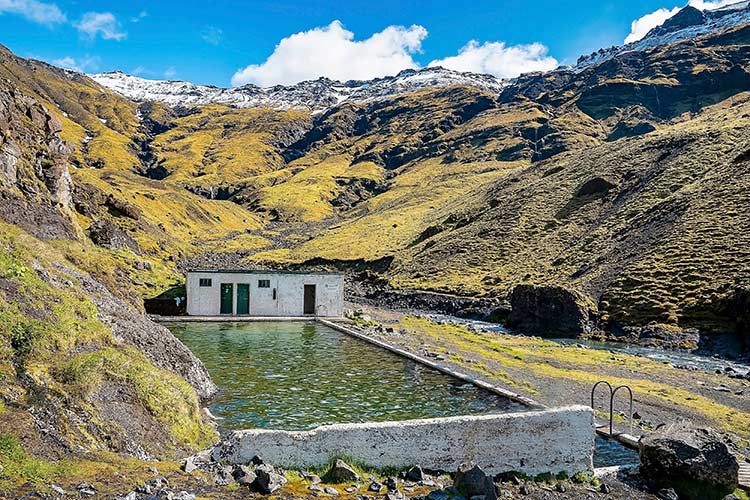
<point x="593" y="390"/>
<point x="611" y="407"/>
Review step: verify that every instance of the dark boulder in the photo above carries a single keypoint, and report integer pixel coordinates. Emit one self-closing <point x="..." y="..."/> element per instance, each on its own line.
<point x="550" y="310"/>
<point x="471" y="481"/>
<point x="244" y="474"/>
<point x="696" y="463"/>
<point x="267" y="480"/>
<point x="415" y="474"/>
<point x="107" y="234"/>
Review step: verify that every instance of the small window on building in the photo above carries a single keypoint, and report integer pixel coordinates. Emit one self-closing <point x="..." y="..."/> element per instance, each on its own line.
<point x="274" y="294"/>
<point x="205" y="282"/>
<point x="264" y="283"/>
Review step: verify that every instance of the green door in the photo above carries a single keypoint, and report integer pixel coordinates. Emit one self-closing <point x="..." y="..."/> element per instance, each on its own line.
<point x="243" y="298"/>
<point x="227" y="298"/>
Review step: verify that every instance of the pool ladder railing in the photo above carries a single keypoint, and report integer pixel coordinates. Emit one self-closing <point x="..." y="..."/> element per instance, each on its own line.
<point x="612" y="394"/>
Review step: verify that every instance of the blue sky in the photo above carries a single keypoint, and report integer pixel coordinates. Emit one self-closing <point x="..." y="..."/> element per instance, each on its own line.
<point x="212" y="42"/>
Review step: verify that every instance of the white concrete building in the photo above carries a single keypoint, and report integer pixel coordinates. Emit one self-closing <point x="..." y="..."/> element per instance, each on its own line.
<point x="264" y="293"/>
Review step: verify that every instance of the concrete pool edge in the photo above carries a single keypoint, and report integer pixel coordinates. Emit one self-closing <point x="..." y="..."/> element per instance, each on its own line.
<point x="624" y="439"/>
<point x="500" y="391"/>
<point x="534" y="442"/>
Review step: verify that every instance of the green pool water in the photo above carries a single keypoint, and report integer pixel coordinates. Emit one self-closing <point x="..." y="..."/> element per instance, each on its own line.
<point x="289" y="375"/>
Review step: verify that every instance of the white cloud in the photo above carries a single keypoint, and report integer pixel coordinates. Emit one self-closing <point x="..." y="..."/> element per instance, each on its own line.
<point x="83" y="65"/>
<point x="170" y="72"/>
<point x="141" y="15"/>
<point x="100" y="23"/>
<point x="641" y="26"/>
<point x="212" y="35"/>
<point x="331" y="51"/>
<point x="33" y="10"/>
<point x="498" y="59"/>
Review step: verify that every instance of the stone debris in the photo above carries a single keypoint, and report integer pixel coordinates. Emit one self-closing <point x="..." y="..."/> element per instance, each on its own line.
<point x="341" y="472"/>
<point x="415" y="474"/>
<point x="267" y="479"/>
<point x="391" y="483"/>
<point x="375" y="486"/>
<point x="243" y="475"/>
<point x="470" y="480"/>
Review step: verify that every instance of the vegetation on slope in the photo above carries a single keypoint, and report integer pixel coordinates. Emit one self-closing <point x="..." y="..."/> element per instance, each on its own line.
<point x="56" y="350"/>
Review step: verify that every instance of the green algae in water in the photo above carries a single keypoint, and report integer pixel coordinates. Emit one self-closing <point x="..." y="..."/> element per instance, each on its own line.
<point x="287" y="375"/>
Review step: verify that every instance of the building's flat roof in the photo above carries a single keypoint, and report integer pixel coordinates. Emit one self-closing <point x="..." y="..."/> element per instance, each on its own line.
<point x="263" y="271"/>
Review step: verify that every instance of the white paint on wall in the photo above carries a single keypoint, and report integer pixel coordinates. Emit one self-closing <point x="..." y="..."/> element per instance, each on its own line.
<point x="555" y="440"/>
<point x="287" y="287"/>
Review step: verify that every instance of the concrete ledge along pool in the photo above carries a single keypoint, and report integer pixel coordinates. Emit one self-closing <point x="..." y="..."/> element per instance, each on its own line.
<point x="290" y="378"/>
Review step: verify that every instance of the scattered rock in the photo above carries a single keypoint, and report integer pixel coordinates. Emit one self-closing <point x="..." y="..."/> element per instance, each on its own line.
<point x="143" y="489"/>
<point x="438" y="495"/>
<point x="341" y="472"/>
<point x="267" y="479"/>
<point x="415" y="474"/>
<point x="471" y="481"/>
<point x="331" y="491"/>
<point x="375" y="486"/>
<point x="676" y="452"/>
<point x="560" y="488"/>
<point x="243" y="474"/>
<point x="189" y="465"/>
<point x="57" y="489"/>
<point x="667" y="494"/>
<point x="604" y="488"/>
<point x="182" y="495"/>
<point x="313" y="478"/>
<point x="525" y="489"/>
<point x="391" y="483"/>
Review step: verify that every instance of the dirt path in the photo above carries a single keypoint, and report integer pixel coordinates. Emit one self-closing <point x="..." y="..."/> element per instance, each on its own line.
<point x="556" y="375"/>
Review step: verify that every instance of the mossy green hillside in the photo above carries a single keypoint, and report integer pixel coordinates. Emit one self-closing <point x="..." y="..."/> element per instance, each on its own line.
<point x="52" y="345"/>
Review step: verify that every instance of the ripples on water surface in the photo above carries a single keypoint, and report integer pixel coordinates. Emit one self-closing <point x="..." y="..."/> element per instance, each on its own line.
<point x="287" y="375"/>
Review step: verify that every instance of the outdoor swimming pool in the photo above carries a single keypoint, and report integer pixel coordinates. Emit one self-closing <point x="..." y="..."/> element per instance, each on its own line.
<point x="294" y="375"/>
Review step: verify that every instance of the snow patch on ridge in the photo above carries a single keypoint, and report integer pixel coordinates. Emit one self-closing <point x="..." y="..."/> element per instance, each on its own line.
<point x="315" y="95"/>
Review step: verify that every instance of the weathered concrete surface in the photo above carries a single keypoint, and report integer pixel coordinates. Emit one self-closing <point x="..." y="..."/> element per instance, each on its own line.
<point x="556" y="440"/>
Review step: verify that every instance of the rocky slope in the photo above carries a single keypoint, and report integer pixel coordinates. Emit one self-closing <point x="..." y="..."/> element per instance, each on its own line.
<point x="687" y="24"/>
<point x="81" y="371"/>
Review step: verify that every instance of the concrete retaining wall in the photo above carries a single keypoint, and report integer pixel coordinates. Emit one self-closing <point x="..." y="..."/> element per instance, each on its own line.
<point x="556" y="440"/>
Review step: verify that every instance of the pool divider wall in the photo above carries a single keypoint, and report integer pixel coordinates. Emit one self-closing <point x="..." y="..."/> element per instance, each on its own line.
<point x="437" y="366"/>
<point x="554" y="440"/>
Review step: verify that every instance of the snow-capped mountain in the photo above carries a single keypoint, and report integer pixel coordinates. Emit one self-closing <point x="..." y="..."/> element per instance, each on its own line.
<point x="315" y="95"/>
<point x="320" y="94"/>
<point x="686" y="24"/>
